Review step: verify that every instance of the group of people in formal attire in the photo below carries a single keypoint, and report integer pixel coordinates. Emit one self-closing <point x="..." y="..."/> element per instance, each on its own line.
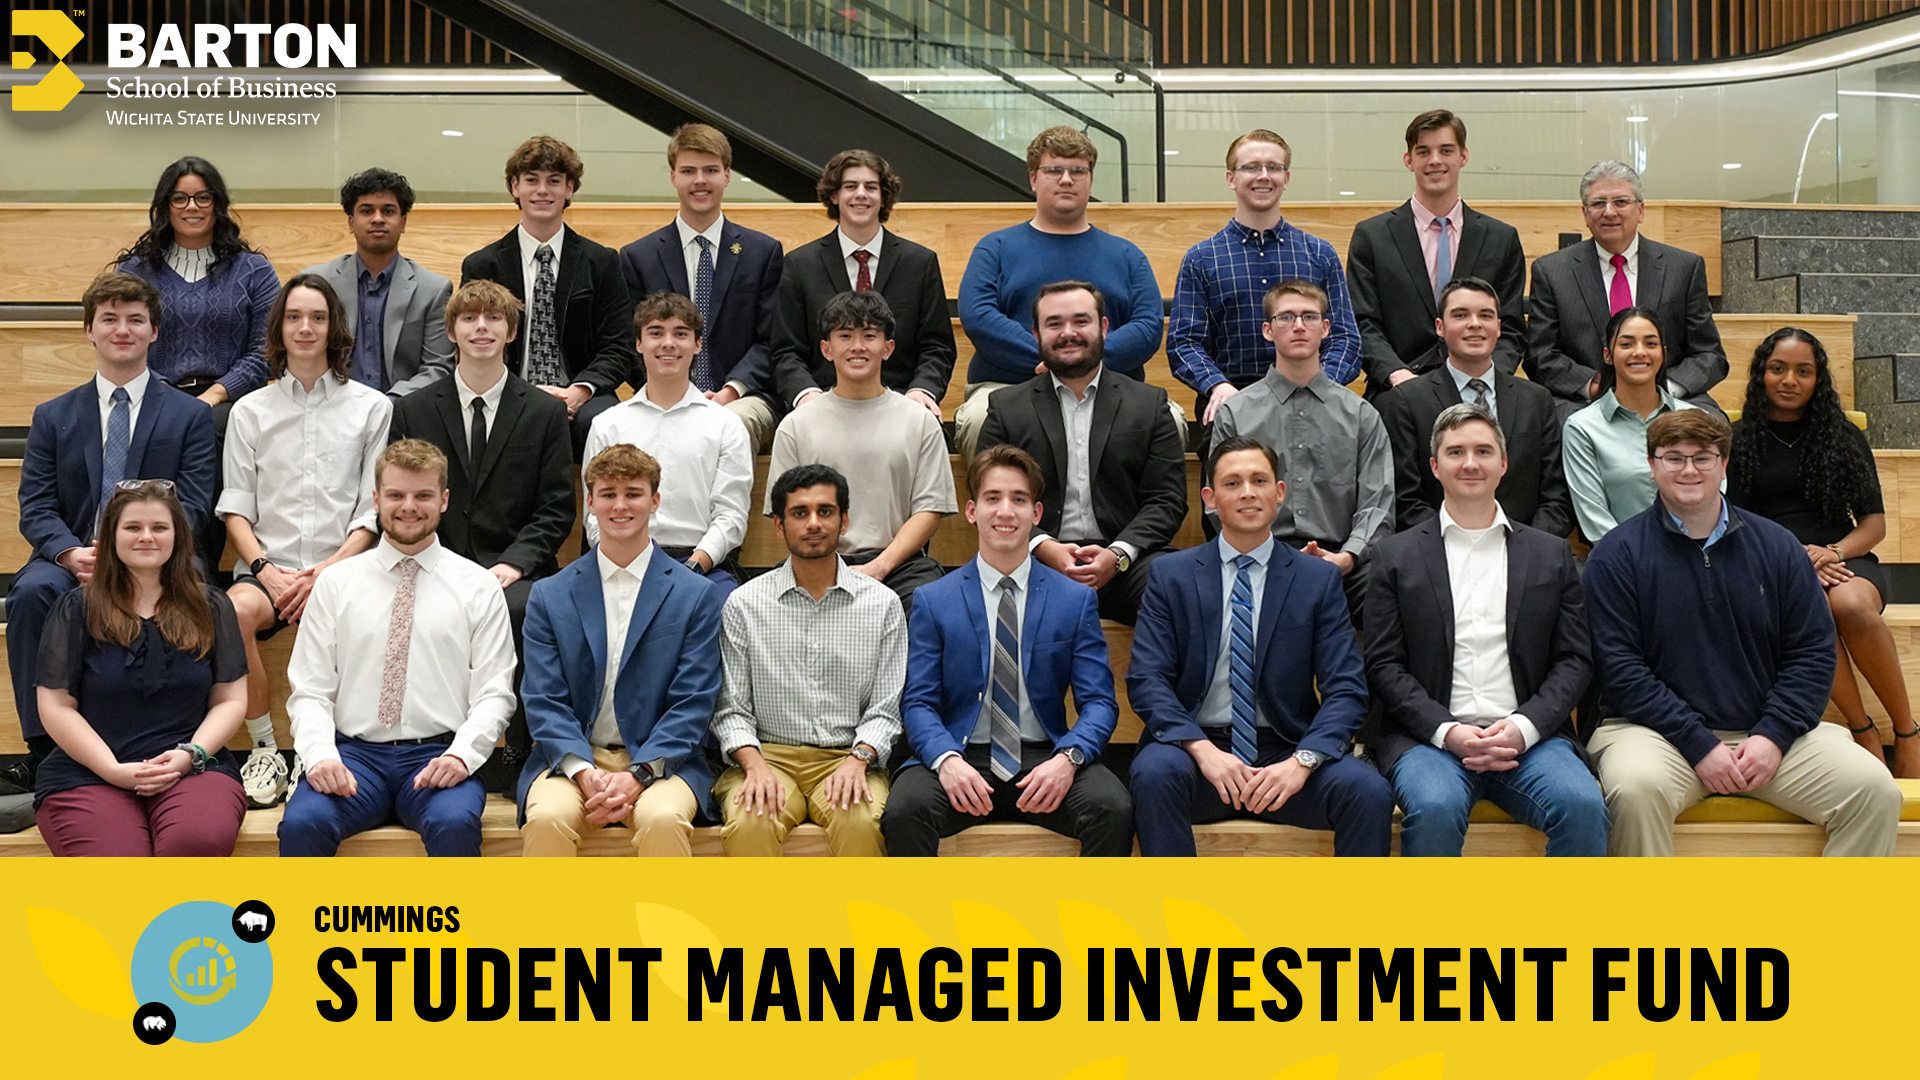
<point x="392" y="461"/>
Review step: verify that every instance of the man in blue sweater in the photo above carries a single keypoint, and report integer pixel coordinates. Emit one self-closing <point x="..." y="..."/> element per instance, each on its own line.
<point x="1008" y="268"/>
<point x="1716" y="651"/>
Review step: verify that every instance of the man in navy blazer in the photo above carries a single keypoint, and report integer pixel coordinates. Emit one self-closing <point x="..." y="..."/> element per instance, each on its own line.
<point x="69" y="469"/>
<point x="735" y="364"/>
<point x="634" y="751"/>
<point x="987" y="684"/>
<point x="1247" y="675"/>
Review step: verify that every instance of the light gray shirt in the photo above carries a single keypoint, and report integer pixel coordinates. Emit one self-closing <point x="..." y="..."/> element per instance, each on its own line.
<point x="1461" y="379"/>
<point x="1216" y="709"/>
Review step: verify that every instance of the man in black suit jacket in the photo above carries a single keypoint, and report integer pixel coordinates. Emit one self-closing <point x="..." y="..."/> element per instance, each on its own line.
<point x="1575" y="292"/>
<point x="1477" y="653"/>
<point x="1115" y="469"/>
<point x="1534" y="491"/>
<point x="735" y="365"/>
<point x="592" y="313"/>
<point x="859" y="189"/>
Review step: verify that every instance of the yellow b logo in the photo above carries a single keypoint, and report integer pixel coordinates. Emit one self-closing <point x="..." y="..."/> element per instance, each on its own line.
<point x="61" y="85"/>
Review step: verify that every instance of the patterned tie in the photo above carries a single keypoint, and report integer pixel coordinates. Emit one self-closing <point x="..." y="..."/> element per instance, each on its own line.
<point x="543" y="335"/>
<point x="476" y="439"/>
<point x="113" y="458"/>
<point x="703" y="299"/>
<point x="865" y="280"/>
<point x="1246" y="740"/>
<point x="1478" y="388"/>
<point x="1619" y="297"/>
<point x="1003" y="711"/>
<point x="393" y="673"/>
<point x="1442" y="258"/>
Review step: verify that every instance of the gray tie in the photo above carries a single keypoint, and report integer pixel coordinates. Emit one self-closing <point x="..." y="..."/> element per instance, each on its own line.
<point x="1477" y="389"/>
<point x="543" y="335"/>
<point x="1003" y="707"/>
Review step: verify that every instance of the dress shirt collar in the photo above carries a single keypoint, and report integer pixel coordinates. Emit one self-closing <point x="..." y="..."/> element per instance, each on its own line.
<point x="1611" y="408"/>
<point x="491" y="395"/>
<point x="637" y="568"/>
<point x="1284" y="388"/>
<point x="528" y="245"/>
<point x="1060" y="387"/>
<point x="784" y="580"/>
<point x="1719" y="527"/>
<point x="1461" y="378"/>
<point x="1262" y="555"/>
<point x="136" y="388"/>
<point x="1424" y="218"/>
<point x="1448" y="525"/>
<point x="990" y="578"/>
<point x="289" y="387"/>
<point x="1632" y="253"/>
<point x="848" y="247"/>
<point x="1247" y="234"/>
<point x="692" y="399"/>
<point x="363" y="275"/>
<point x="389" y="556"/>
<point x="712" y="232"/>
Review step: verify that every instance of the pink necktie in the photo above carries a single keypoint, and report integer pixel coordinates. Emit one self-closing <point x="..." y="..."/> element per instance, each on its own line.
<point x="1618" y="296"/>
<point x="866" y="280"/>
<point x="393" y="673"/>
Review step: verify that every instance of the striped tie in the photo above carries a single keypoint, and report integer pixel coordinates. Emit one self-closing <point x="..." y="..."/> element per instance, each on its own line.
<point x="1246" y="740"/>
<point x="1003" y="712"/>
<point x="113" y="456"/>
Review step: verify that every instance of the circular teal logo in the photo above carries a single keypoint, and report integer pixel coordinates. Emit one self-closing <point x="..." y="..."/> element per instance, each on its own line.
<point x="191" y="960"/>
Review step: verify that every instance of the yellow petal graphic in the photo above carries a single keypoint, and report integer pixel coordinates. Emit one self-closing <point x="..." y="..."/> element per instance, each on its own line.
<point x="673" y="932"/>
<point x="1113" y="1068"/>
<point x="1326" y="1067"/>
<point x="1636" y="1067"/>
<point x="1427" y="1067"/>
<point x="898" y="1069"/>
<point x="1089" y="926"/>
<point x="983" y="926"/>
<point x="1193" y="927"/>
<point x="1738" y="1067"/>
<point x="80" y="963"/>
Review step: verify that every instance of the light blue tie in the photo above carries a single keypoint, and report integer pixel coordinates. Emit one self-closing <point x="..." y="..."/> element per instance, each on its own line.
<point x="1003" y="711"/>
<point x="1246" y="740"/>
<point x="113" y="458"/>
<point x="1442" y="259"/>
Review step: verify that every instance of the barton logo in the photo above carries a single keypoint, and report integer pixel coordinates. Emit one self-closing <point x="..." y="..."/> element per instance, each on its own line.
<point x="60" y="86"/>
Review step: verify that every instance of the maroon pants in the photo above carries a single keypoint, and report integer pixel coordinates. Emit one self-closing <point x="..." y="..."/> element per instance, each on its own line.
<point x="198" y="816"/>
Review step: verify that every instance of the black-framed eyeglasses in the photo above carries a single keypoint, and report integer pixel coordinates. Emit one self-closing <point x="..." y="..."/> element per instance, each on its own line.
<point x="1702" y="462"/>
<point x="180" y="199"/>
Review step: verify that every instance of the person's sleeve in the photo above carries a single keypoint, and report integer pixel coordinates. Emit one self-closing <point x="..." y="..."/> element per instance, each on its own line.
<point x="63" y="644"/>
<point x="920" y="701"/>
<point x="229" y="653"/>
<point x="1003" y="350"/>
<point x="544" y="692"/>
<point x="436" y="349"/>
<point x="552" y="519"/>
<point x="1340" y="352"/>
<point x="1162" y="486"/>
<point x="1633" y="690"/>
<point x="1870" y="500"/>
<point x="1509" y="279"/>
<point x="792" y="350"/>
<point x="240" y="468"/>
<point x="490" y="700"/>
<point x="1404" y="702"/>
<point x="680" y="733"/>
<point x="614" y="359"/>
<point x="39" y="494"/>
<point x="1553" y="512"/>
<point x="755" y="368"/>
<point x="933" y="471"/>
<point x="1373" y="517"/>
<point x="1546" y="364"/>
<point x="735" y="721"/>
<point x="1187" y="328"/>
<point x="1377" y="358"/>
<point x="1411" y="458"/>
<point x="365" y="514"/>
<point x="261" y="287"/>
<point x="880" y="718"/>
<point x="1153" y="670"/>
<point x="732" y="489"/>
<point x="313" y="673"/>
<point x="786" y="455"/>
<point x="198" y="462"/>
<point x="1570" y="663"/>
<point x="934" y="336"/>
<point x="1705" y="362"/>
<point x="1339" y="676"/>
<point x="598" y="439"/>
<point x="1132" y="343"/>
<point x="1093" y="698"/>
<point x="1804" y="681"/>
<point x="1580" y="462"/>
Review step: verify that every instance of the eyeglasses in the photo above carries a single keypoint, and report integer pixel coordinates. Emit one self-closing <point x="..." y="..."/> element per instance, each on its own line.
<point x="180" y="199"/>
<point x="1304" y="318"/>
<point x="1621" y="204"/>
<point x="1677" y="462"/>
<point x="143" y="485"/>
<point x="1055" y="172"/>
<point x="1255" y="168"/>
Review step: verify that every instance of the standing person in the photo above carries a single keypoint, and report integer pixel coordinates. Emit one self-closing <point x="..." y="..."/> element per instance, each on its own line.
<point x="395" y="307"/>
<point x="122" y="424"/>
<point x="859" y="189"/>
<point x="1799" y="462"/>
<point x="731" y="273"/>
<point x="1008" y="267"/>
<point x="1603" y="447"/>
<point x="1214" y="338"/>
<point x="299" y="490"/>
<point x="815" y="656"/>
<point x="576" y="345"/>
<point x="402" y="679"/>
<point x="141" y="683"/>
<point x="1399" y="262"/>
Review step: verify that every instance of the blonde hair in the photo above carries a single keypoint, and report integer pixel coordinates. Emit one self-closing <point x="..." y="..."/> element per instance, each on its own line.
<point x="701" y="139"/>
<point x="485" y="298"/>
<point x="621" y="461"/>
<point x="413" y="455"/>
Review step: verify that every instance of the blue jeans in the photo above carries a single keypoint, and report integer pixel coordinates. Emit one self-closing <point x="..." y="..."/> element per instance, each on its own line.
<point x="1551" y="790"/>
<point x="447" y="819"/>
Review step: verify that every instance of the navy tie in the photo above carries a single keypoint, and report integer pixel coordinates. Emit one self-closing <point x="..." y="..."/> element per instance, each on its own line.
<point x="1246" y="740"/>
<point x="113" y="458"/>
<point x="1003" y="711"/>
<point x="703" y="299"/>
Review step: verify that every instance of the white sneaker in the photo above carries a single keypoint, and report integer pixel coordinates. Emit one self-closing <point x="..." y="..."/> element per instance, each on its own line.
<point x="264" y="776"/>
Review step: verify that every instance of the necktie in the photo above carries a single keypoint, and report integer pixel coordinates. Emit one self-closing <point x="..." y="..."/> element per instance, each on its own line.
<point x="477" y="439"/>
<point x="1442" y="258"/>
<point x="1246" y="741"/>
<point x="543" y="335"/>
<point x="1618" y="295"/>
<point x="865" y="281"/>
<point x="1478" y="389"/>
<point x="1003" y="710"/>
<point x="113" y="457"/>
<point x="393" y="673"/>
<point x="703" y="299"/>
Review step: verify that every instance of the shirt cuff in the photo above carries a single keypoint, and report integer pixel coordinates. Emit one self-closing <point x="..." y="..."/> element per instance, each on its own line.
<point x="1527" y="730"/>
<point x="941" y="760"/>
<point x="573" y="764"/>
<point x="1440" y="733"/>
<point x="591" y="389"/>
<point x="739" y="387"/>
<point x="1038" y="538"/>
<point x="1133" y="553"/>
<point x="802" y="394"/>
<point x="237" y="501"/>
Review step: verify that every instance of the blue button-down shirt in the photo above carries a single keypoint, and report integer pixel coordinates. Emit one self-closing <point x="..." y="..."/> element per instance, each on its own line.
<point x="1214" y="334"/>
<point x="369" y="348"/>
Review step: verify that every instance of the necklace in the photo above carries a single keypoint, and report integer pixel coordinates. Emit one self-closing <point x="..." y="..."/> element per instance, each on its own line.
<point x="1784" y="442"/>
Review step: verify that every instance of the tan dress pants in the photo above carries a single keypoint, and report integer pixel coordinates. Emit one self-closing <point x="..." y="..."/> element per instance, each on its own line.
<point x="661" y="820"/>
<point x="802" y="771"/>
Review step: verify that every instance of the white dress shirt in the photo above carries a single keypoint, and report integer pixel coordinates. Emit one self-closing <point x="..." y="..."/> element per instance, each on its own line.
<point x="848" y="247"/>
<point x="1461" y="379"/>
<point x="489" y="399"/>
<point x="706" y="468"/>
<point x="691" y="252"/>
<point x="1482" y="678"/>
<point x="1076" y="495"/>
<point x="619" y="591"/>
<point x="136" y="393"/>
<point x="1632" y="269"/>
<point x="459" y="658"/>
<point x="299" y="465"/>
<point x="1030" y="729"/>
<point x="1216" y="708"/>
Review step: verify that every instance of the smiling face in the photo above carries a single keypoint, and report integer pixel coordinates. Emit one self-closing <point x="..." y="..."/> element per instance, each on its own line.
<point x="1470" y="326"/>
<point x="858" y="199"/>
<point x="623" y="507"/>
<point x="542" y="195"/>
<point x="410" y="503"/>
<point x="1613" y="214"/>
<point x="811" y="525"/>
<point x="1004" y="512"/>
<point x="480" y="337"/>
<point x="377" y="223"/>
<point x="1636" y="354"/>
<point x="1688" y="475"/>
<point x="121" y="333"/>
<point x="700" y="179"/>
<point x="1469" y="462"/>
<point x="303" y="330"/>
<point x="1071" y="333"/>
<point x="1247" y="496"/>
<point x="1789" y="378"/>
<point x="190" y="211"/>
<point x="144" y="537"/>
<point x="668" y="347"/>
<point x="856" y="353"/>
<point x="1259" y="176"/>
<point x="1435" y="162"/>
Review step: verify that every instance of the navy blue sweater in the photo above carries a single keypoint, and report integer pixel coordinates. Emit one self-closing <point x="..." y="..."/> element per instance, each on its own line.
<point x="1736" y="637"/>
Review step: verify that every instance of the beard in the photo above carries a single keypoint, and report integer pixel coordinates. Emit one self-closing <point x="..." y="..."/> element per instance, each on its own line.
<point x="409" y="532"/>
<point x="1095" y="353"/>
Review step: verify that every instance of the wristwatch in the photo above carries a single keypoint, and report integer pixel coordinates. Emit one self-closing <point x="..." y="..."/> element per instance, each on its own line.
<point x="642" y="772"/>
<point x="867" y="756"/>
<point x="1074" y="757"/>
<point x="259" y="564"/>
<point x="1124" y="560"/>
<point x="1308" y="758"/>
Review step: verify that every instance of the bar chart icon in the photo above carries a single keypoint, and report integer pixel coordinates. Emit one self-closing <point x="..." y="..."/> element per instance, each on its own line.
<point x="205" y="983"/>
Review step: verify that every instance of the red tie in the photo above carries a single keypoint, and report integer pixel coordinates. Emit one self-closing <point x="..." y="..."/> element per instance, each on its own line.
<point x="1618" y="296"/>
<point x="865" y="280"/>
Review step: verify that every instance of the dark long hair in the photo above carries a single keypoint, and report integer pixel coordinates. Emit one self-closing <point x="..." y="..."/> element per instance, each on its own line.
<point x="184" y="615"/>
<point x="339" y="334"/>
<point x="1834" y="468"/>
<point x="1608" y="377"/>
<point x="153" y="245"/>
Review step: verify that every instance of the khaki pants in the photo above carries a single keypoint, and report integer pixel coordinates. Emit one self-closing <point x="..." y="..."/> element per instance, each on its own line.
<point x="802" y="771"/>
<point x="1824" y="777"/>
<point x="971" y="416"/>
<point x="758" y="416"/>
<point x="661" y="821"/>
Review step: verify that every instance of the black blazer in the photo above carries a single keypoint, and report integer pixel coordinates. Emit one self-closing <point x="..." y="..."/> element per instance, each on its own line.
<point x="746" y="284"/>
<point x="1569" y="314"/>
<point x="1534" y="491"/>
<point x="1409" y="618"/>
<point x="1138" y="466"/>
<point x="517" y="506"/>
<point x="910" y="280"/>
<point x="1393" y="301"/>
<point x="591" y="308"/>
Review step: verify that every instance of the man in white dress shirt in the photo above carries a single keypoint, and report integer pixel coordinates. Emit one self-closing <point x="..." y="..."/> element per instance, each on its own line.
<point x="402" y="678"/>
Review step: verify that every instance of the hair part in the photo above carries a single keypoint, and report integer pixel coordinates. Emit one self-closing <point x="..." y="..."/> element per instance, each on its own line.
<point x="622" y="461"/>
<point x="701" y="139"/>
<point x="184" y="614"/>
<point x="1236" y="443"/>
<point x="1259" y="135"/>
<point x="662" y="306"/>
<point x="1061" y="141"/>
<point x="151" y="247"/>
<point x="117" y="287"/>
<point x="1458" y="416"/>
<point x="1006" y="456"/>
<point x="483" y="297"/>
<point x="373" y="182"/>
<point x="1434" y="120"/>
<point x="835" y="174"/>
<point x="412" y="455"/>
<point x="339" y="334"/>
<point x="1467" y="283"/>
<point x="1612" y="170"/>
<point x="1697" y="426"/>
<point x="1292" y="287"/>
<point x="856" y="310"/>
<point x="801" y="477"/>
<point x="1609" y="376"/>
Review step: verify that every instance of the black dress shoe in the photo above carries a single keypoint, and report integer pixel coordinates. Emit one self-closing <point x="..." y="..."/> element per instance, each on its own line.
<point x="17" y="778"/>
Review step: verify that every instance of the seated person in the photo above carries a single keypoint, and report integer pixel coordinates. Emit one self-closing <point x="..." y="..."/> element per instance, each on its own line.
<point x="402" y="678"/>
<point x="622" y="668"/>
<point x="706" y="460"/>
<point x="1334" y="450"/>
<point x="154" y="658"/>
<point x="1603" y="447"/>
<point x="121" y="424"/>
<point x="1246" y="612"/>
<point x="1799" y="462"/>
<point x="986" y="693"/>
<point x="299" y="494"/>
<point x="891" y="451"/>
<point x="1715" y="650"/>
<point x="811" y="621"/>
<point x="1534" y="489"/>
<point x="1477" y="654"/>
<point x="1105" y="526"/>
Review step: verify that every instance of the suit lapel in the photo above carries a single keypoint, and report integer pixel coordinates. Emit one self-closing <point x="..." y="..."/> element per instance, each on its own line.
<point x="87" y="430"/>
<point x="573" y="264"/>
<point x="447" y="401"/>
<point x="513" y="402"/>
<point x="1586" y="271"/>
<point x="507" y="256"/>
<point x="590" y="607"/>
<point x="1206" y="586"/>
<point x="1039" y="591"/>
<point x="1272" y="599"/>
<point x="1652" y="270"/>
<point x="151" y="411"/>
<point x="1433" y="549"/>
<point x="889" y="260"/>
<point x="1046" y="402"/>
<point x="653" y="592"/>
<point x="726" y="260"/>
<point x="673" y="259"/>
<point x="1406" y="239"/>
<point x="393" y="322"/>
<point x="1516" y="573"/>
<point x="977" y="613"/>
<point x="1472" y="239"/>
<point x="1106" y="408"/>
<point x="834" y="265"/>
<point x="1506" y="400"/>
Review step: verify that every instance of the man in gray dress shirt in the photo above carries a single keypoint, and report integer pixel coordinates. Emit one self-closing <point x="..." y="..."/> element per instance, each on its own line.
<point x="1337" y="459"/>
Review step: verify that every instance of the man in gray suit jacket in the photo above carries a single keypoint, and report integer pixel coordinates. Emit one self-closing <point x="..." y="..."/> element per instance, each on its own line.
<point x="396" y="308"/>
<point x="1577" y="289"/>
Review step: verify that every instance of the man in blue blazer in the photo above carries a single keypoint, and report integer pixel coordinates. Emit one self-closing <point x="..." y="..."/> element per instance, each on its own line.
<point x="622" y="672"/>
<point x="742" y="268"/>
<point x="1247" y="675"/>
<point x="986" y="688"/>
<point x="124" y="424"/>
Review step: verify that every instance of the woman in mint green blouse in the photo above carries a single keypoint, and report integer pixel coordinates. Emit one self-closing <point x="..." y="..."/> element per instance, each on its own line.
<point x="1604" y="447"/>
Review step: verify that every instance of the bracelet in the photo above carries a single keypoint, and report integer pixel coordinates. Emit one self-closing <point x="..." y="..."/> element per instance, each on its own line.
<point x="1837" y="553"/>
<point x="197" y="755"/>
